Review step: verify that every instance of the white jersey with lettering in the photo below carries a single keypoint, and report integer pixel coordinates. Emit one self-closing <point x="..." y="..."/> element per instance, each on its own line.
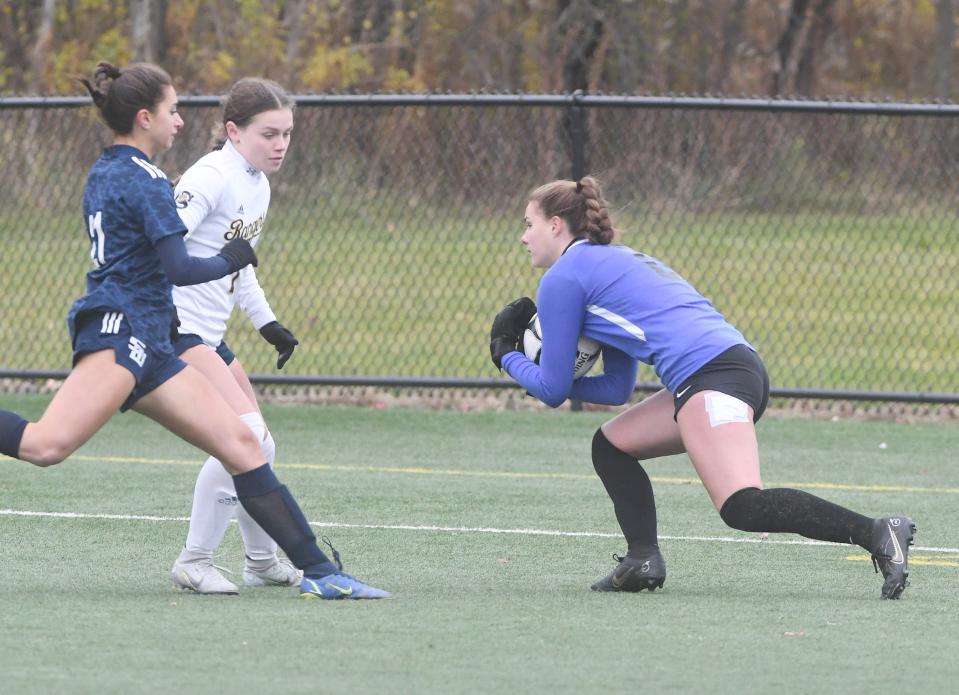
<point x="221" y="197"/>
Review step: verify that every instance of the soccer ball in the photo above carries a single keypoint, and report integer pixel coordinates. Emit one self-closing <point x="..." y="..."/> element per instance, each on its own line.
<point x="587" y="349"/>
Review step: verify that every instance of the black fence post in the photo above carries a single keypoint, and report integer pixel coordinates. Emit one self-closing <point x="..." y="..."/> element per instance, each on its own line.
<point x="577" y="132"/>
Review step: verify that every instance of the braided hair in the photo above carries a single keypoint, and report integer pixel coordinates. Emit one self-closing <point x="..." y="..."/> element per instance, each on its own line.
<point x="580" y="204"/>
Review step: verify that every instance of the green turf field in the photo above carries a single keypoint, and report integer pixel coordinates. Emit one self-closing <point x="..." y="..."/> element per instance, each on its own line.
<point x="489" y="527"/>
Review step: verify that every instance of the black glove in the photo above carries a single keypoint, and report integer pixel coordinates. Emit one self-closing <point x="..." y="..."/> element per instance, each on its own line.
<point x="277" y="335"/>
<point x="508" y="327"/>
<point x="239" y="254"/>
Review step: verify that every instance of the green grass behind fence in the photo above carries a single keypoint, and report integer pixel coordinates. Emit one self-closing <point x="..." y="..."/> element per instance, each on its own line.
<point x="830" y="301"/>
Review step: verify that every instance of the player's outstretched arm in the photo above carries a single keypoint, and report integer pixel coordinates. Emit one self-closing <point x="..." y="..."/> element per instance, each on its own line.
<point x="183" y="269"/>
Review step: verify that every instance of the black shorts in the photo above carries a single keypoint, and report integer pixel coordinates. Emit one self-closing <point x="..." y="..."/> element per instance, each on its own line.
<point x="185" y="341"/>
<point x="737" y="372"/>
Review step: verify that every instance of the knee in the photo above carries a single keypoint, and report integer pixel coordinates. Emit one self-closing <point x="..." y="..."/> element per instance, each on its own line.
<point x="739" y="511"/>
<point x="246" y="438"/>
<point x="240" y="452"/>
<point x="600" y="446"/>
<point x="604" y="452"/>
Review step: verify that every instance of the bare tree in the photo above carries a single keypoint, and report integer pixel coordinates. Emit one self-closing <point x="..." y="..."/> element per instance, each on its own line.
<point x="39" y="58"/>
<point x="822" y="26"/>
<point x="732" y="37"/>
<point x="42" y="46"/>
<point x="788" y="39"/>
<point x="945" y="38"/>
<point x="147" y="30"/>
<point x="293" y="25"/>
<point x="581" y="22"/>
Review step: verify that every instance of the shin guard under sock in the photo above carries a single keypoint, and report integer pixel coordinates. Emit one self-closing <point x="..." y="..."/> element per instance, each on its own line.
<point x="628" y="485"/>
<point x="785" y="510"/>
<point x="272" y="506"/>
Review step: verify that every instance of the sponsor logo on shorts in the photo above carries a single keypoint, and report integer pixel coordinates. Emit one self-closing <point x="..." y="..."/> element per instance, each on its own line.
<point x="138" y="350"/>
<point x="111" y="322"/>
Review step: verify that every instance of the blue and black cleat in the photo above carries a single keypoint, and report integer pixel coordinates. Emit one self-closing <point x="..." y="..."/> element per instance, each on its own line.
<point x="339" y="586"/>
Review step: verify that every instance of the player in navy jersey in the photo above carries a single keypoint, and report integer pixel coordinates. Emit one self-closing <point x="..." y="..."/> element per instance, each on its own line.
<point x="716" y="388"/>
<point x="120" y="330"/>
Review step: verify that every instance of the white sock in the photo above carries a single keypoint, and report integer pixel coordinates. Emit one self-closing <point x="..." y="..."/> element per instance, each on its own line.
<point x="214" y="499"/>
<point x="256" y="541"/>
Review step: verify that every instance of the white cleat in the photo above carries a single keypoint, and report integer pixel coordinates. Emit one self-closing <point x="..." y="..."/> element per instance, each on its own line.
<point x="200" y="575"/>
<point x="280" y="572"/>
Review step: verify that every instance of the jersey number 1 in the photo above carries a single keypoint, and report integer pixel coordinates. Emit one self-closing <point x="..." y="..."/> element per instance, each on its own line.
<point x="95" y="229"/>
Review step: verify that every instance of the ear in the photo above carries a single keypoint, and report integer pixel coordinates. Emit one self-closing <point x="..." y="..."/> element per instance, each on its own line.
<point x="143" y="119"/>
<point x="556" y="225"/>
<point x="232" y="131"/>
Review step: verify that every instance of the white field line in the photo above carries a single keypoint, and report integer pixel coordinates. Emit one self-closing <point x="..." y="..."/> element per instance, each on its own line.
<point x="456" y="529"/>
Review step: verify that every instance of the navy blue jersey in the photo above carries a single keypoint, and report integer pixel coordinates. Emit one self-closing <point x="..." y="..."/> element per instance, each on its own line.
<point x="636" y="307"/>
<point x="127" y="208"/>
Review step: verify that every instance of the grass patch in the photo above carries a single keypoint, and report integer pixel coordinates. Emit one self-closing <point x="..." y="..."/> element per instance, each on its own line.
<point x="409" y="498"/>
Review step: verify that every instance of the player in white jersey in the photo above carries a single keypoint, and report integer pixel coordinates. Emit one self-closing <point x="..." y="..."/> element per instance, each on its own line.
<point x="225" y="195"/>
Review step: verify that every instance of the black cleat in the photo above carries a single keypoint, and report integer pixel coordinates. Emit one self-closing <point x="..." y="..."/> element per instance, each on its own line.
<point x="892" y="536"/>
<point x="634" y="574"/>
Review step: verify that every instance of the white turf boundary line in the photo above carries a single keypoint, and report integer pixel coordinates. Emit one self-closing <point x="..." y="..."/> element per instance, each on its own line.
<point x="454" y="529"/>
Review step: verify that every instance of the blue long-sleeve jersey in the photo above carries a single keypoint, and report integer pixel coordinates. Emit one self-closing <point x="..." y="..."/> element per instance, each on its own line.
<point x="636" y="307"/>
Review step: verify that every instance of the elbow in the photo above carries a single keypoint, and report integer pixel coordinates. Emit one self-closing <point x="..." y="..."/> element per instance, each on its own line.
<point x="183" y="279"/>
<point x="176" y="276"/>
<point x="553" y="401"/>
<point x="623" y="395"/>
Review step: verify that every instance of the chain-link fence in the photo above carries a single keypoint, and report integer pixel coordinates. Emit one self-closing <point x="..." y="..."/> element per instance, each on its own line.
<point x="826" y="232"/>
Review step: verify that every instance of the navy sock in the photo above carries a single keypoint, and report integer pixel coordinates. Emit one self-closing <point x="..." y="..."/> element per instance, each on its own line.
<point x="785" y="510"/>
<point x="11" y="432"/>
<point x="628" y="485"/>
<point x="272" y="506"/>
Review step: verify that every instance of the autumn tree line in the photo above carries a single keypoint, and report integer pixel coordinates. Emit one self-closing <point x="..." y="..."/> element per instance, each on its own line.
<point x="866" y="49"/>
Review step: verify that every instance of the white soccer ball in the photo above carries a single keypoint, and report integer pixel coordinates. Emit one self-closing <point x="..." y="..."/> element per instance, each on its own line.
<point x="587" y="349"/>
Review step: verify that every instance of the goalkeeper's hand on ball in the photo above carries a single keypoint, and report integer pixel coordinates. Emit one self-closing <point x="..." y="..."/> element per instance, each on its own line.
<point x="280" y="337"/>
<point x="508" y="327"/>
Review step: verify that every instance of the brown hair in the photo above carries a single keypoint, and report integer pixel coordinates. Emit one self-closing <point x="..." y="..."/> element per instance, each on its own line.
<point x="580" y="204"/>
<point x="247" y="98"/>
<point x="119" y="93"/>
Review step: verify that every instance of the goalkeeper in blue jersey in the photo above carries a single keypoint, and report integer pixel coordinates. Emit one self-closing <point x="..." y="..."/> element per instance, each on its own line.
<point x="716" y="388"/>
<point x="121" y="329"/>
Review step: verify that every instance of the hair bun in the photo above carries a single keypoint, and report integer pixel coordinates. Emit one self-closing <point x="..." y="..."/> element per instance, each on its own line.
<point x="113" y="72"/>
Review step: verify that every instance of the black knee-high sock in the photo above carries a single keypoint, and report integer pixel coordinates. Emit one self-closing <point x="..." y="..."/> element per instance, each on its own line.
<point x="11" y="432"/>
<point x="627" y="484"/>
<point x="272" y="506"/>
<point x="785" y="510"/>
